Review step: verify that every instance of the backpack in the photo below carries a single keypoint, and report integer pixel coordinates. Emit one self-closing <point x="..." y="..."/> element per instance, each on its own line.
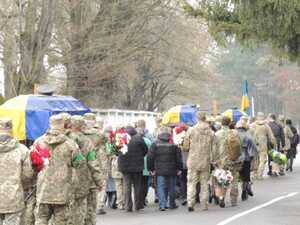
<point x="295" y="140"/>
<point x="233" y="146"/>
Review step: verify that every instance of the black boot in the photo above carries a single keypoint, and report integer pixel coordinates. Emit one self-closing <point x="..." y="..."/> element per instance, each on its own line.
<point x="244" y="195"/>
<point x="249" y="189"/>
<point x="244" y="191"/>
<point x="113" y="201"/>
<point x="216" y="200"/>
<point x="222" y="202"/>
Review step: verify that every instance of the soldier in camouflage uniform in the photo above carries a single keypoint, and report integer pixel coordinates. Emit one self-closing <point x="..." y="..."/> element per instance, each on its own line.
<point x="288" y="135"/>
<point x="55" y="179"/>
<point x="30" y="201"/>
<point x="262" y="135"/>
<point x="104" y="158"/>
<point x="118" y="178"/>
<point x="15" y="168"/>
<point x="88" y="172"/>
<point x="199" y="142"/>
<point x="98" y="145"/>
<point x="221" y="158"/>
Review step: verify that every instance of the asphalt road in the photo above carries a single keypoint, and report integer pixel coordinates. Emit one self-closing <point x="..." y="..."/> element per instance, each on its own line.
<point x="276" y="202"/>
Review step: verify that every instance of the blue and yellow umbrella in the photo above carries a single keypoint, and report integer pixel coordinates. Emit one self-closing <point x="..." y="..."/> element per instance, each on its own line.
<point x="234" y="114"/>
<point x="30" y="113"/>
<point x="181" y="114"/>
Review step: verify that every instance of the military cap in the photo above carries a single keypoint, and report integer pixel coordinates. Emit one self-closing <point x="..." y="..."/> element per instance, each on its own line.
<point x="211" y="119"/>
<point x="242" y="123"/>
<point x="56" y="122"/>
<point x="89" y="116"/>
<point x="260" y="116"/>
<point x="65" y="116"/>
<point x="6" y="126"/>
<point x="46" y="89"/>
<point x="281" y="118"/>
<point x="90" y="119"/>
<point x="219" y="118"/>
<point x="77" y="121"/>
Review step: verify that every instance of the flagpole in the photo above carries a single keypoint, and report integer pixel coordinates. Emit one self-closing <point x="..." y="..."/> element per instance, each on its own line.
<point x="252" y="106"/>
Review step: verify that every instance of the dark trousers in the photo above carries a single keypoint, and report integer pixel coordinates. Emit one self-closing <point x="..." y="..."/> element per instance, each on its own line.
<point x="145" y="187"/>
<point x="269" y="163"/>
<point x="183" y="185"/>
<point x="133" y="180"/>
<point x="246" y="171"/>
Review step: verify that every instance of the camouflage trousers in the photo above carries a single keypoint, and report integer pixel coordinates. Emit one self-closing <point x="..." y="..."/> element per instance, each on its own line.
<point x="262" y="159"/>
<point x="120" y="192"/>
<point x="91" y="215"/>
<point x="234" y="190"/>
<point x="102" y="195"/>
<point x="28" y="213"/>
<point x="57" y="214"/>
<point x="78" y="210"/>
<point x="10" y="218"/>
<point x="194" y="177"/>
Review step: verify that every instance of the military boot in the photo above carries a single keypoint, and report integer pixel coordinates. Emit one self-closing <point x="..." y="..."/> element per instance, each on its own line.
<point x="244" y="191"/>
<point x="249" y="189"/>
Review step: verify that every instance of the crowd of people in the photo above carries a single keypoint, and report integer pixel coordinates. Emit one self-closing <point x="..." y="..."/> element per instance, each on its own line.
<point x="78" y="167"/>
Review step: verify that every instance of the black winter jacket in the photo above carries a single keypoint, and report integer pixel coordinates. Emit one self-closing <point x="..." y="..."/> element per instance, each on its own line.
<point x="278" y="132"/>
<point x="133" y="160"/>
<point x="164" y="158"/>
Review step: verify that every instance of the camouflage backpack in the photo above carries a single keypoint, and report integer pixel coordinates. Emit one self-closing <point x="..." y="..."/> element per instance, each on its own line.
<point x="233" y="146"/>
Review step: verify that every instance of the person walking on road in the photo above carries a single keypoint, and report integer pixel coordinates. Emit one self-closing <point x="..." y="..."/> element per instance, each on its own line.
<point x="227" y="153"/>
<point x="15" y="168"/>
<point x="247" y="155"/>
<point x="199" y="143"/>
<point x="278" y="133"/>
<point x="54" y="182"/>
<point x="131" y="164"/>
<point x="263" y="138"/>
<point x="292" y="152"/>
<point x="166" y="163"/>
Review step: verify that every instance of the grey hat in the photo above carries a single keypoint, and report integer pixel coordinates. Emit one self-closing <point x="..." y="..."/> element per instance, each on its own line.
<point x="260" y="116"/>
<point x="45" y="89"/>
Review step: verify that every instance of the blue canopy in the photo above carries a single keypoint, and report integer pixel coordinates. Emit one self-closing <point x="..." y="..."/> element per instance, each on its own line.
<point x="31" y="113"/>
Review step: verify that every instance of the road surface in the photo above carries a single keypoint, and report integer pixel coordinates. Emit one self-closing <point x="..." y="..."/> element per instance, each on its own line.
<point x="276" y="202"/>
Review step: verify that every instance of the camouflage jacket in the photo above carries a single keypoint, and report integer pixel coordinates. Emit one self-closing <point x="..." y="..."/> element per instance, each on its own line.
<point x="54" y="182"/>
<point x="89" y="171"/>
<point x="115" y="173"/>
<point x="263" y="136"/>
<point x="220" y="151"/>
<point x="15" y="168"/>
<point x="288" y="135"/>
<point x="102" y="157"/>
<point x="199" y="142"/>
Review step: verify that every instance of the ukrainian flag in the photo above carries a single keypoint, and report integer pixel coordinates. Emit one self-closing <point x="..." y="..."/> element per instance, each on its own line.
<point x="30" y="113"/>
<point x="245" y="106"/>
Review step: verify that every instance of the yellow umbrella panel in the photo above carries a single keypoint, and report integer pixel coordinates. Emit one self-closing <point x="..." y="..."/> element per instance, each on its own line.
<point x="16" y="111"/>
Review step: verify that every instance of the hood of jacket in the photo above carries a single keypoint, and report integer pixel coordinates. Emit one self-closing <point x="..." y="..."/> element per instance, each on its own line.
<point x="90" y="130"/>
<point x="260" y="122"/>
<point x="203" y="128"/>
<point x="7" y="143"/>
<point x="164" y="137"/>
<point x="53" y="137"/>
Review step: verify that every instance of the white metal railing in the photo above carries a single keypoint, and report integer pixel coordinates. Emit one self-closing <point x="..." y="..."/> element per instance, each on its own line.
<point x="115" y="117"/>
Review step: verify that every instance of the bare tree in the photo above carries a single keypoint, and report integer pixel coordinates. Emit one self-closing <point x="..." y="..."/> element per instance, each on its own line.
<point x="26" y="36"/>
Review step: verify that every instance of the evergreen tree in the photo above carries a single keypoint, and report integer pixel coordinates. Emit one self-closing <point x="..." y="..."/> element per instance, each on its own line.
<point x="276" y="22"/>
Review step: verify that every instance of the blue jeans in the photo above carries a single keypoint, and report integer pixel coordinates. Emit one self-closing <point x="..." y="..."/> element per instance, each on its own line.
<point x="166" y="187"/>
